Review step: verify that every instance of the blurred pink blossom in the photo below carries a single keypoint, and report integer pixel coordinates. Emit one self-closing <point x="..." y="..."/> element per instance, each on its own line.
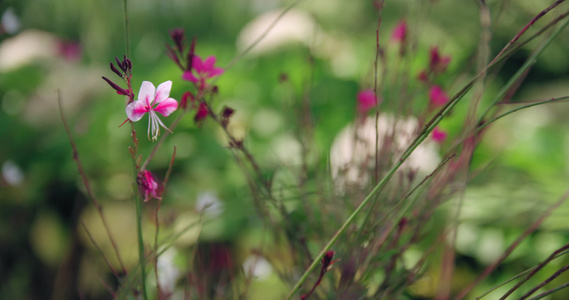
<point x="152" y="100"/>
<point x="437" y="96"/>
<point x="438" y="135"/>
<point x="71" y="51"/>
<point x="366" y="100"/>
<point x="202" y="70"/>
<point x="438" y="63"/>
<point x="399" y="33"/>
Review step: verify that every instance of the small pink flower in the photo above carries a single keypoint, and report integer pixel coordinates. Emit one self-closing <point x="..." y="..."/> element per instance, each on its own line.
<point x="438" y="135"/>
<point x="148" y="185"/>
<point x="152" y="100"/>
<point x="202" y="70"/>
<point x="438" y="63"/>
<point x="366" y="100"/>
<point x="437" y="96"/>
<point x="399" y="33"/>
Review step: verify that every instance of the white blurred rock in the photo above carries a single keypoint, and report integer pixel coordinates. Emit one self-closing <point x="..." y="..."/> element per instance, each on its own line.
<point x="352" y="155"/>
<point x="294" y="27"/>
<point x="257" y="266"/>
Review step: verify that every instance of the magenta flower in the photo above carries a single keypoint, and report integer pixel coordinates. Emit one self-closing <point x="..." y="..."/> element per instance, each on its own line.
<point x="148" y="185"/>
<point x="366" y="100"/>
<point x="202" y="70"/>
<point x="437" y="96"/>
<point x="438" y="135"/>
<point x="152" y="100"/>
<point x="399" y="33"/>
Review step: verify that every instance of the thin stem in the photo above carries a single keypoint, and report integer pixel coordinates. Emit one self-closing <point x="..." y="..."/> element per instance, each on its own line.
<point x="83" y="175"/>
<point x="138" y="204"/>
<point x="535" y="270"/>
<point x="512" y="247"/>
<point x="545" y="282"/>
<point x="535" y="103"/>
<point x="541" y="14"/>
<point x="530" y="61"/>
<point x="126" y="31"/>
<point x="549" y="292"/>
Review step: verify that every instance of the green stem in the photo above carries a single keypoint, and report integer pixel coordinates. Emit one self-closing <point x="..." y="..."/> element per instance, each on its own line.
<point x="126" y="33"/>
<point x="137" y="203"/>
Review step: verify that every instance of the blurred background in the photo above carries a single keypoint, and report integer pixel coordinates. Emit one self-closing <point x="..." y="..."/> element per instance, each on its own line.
<point x="322" y="49"/>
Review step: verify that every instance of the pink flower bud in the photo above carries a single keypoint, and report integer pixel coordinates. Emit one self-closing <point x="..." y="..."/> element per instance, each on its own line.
<point x="366" y="100"/>
<point x="148" y="185"/>
<point x="399" y="33"/>
<point x="438" y="135"/>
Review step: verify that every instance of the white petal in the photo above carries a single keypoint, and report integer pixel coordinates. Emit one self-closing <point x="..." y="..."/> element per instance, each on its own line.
<point x="163" y="91"/>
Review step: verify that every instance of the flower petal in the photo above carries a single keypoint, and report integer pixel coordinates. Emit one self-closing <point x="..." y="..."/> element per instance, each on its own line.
<point x="147" y="92"/>
<point x="135" y="110"/>
<point x="166" y="107"/>
<point x="215" y="72"/>
<point x="163" y="91"/>
<point x="188" y="75"/>
<point x="197" y="64"/>
<point x="208" y="63"/>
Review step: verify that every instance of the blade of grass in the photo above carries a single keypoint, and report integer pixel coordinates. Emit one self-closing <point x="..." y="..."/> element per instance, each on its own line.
<point x="523" y="69"/>
<point x="512" y="247"/>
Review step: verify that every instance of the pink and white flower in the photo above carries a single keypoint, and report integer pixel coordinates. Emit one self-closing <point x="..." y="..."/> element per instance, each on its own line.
<point x="152" y="100"/>
<point x="202" y="70"/>
<point x="148" y="185"/>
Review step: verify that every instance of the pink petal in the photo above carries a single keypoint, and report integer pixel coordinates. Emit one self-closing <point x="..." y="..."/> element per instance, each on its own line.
<point x="166" y="107"/>
<point x="163" y="91"/>
<point x="197" y="64"/>
<point x="208" y="63"/>
<point x="135" y="110"/>
<point x="215" y="72"/>
<point x="147" y="92"/>
<point x="188" y="75"/>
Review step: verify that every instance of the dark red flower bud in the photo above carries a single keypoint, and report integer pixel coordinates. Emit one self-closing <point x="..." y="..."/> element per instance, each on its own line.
<point x="129" y="64"/>
<point x="184" y="100"/>
<point x="120" y="64"/>
<point x="115" y="70"/>
<point x="202" y="113"/>
<point x="115" y="86"/>
<point x="177" y="36"/>
<point x="226" y="113"/>
<point x="191" y="53"/>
